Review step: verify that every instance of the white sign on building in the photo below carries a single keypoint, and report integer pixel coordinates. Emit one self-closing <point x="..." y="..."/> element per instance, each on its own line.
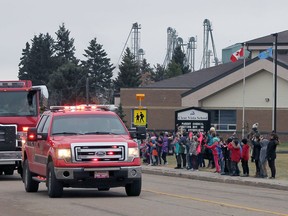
<point x="194" y="115"/>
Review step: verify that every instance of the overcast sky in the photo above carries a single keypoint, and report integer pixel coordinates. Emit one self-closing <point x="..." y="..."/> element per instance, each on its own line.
<point x="110" y="21"/>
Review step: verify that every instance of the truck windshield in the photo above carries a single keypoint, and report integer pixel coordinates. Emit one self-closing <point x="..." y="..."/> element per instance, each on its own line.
<point x="18" y="103"/>
<point x="87" y="124"/>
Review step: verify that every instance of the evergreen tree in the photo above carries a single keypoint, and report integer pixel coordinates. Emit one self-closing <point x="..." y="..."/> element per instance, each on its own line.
<point x="37" y="62"/>
<point x="67" y="85"/>
<point x="64" y="45"/>
<point x="159" y="73"/>
<point x="121" y="113"/>
<point x="129" y="75"/>
<point x="173" y="70"/>
<point x="179" y="58"/>
<point x="24" y="64"/>
<point x="100" y="69"/>
<point x="67" y="82"/>
<point x="146" y="73"/>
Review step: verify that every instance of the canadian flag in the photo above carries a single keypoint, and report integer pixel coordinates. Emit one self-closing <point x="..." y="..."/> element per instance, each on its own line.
<point x="236" y="55"/>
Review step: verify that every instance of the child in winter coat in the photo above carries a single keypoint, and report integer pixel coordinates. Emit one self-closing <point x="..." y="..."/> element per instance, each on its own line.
<point x="245" y="157"/>
<point x="213" y="147"/>
<point x="154" y="152"/>
<point x="235" y="155"/>
<point x="262" y="158"/>
<point x="221" y="156"/>
<point x="193" y="160"/>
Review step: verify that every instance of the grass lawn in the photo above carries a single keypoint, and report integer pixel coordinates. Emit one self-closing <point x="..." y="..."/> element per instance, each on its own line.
<point x="281" y="165"/>
<point x="282" y="147"/>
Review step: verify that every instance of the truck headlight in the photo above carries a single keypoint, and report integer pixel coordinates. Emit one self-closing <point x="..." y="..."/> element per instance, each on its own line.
<point x="133" y="152"/>
<point x="64" y="154"/>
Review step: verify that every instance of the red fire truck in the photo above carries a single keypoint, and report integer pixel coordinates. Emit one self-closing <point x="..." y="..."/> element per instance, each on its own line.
<point x="20" y="104"/>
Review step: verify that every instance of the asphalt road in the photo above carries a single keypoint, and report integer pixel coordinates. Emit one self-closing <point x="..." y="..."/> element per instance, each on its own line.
<point x="161" y="195"/>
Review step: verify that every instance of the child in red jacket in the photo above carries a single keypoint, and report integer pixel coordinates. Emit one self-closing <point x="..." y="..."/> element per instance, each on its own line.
<point x="245" y="157"/>
<point x="235" y="155"/>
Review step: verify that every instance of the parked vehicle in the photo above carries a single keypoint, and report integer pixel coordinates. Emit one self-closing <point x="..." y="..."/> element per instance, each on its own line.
<point x="20" y="105"/>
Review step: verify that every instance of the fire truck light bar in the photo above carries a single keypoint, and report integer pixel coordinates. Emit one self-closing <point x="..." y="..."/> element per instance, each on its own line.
<point x="15" y="84"/>
<point x="79" y="108"/>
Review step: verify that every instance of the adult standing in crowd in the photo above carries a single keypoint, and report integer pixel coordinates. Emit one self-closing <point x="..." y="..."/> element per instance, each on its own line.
<point x="271" y="153"/>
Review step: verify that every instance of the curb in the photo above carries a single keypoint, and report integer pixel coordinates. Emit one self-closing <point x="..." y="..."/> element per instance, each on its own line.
<point x="214" y="177"/>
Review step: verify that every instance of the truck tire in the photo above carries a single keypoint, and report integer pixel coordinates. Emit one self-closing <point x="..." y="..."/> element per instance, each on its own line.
<point x="29" y="184"/>
<point x="55" y="188"/>
<point x="134" y="189"/>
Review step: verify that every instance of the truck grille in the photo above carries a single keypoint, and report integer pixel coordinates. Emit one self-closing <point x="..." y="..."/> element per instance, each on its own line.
<point x="8" y="137"/>
<point x="85" y="152"/>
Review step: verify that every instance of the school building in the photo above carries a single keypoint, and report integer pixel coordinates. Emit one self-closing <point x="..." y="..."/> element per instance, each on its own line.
<point x="227" y="91"/>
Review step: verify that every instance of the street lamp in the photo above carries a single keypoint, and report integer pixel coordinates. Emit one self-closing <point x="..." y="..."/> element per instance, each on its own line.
<point x="86" y="86"/>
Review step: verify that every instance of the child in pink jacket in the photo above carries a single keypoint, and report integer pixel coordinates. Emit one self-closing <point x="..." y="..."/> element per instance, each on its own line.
<point x="213" y="147"/>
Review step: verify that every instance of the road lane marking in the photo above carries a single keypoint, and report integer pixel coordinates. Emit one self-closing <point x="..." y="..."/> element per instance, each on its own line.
<point x="215" y="202"/>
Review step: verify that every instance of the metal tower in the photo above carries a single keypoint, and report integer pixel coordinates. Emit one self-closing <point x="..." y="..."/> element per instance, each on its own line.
<point x="171" y="45"/>
<point x="190" y="53"/>
<point x="174" y="41"/>
<point x="206" y="52"/>
<point x="135" y="41"/>
<point x="134" y="35"/>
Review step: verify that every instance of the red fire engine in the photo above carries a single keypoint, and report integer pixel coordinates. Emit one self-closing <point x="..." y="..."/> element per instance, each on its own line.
<point x="19" y="109"/>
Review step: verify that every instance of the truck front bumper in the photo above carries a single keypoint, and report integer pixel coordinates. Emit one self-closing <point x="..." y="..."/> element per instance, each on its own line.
<point x="83" y="173"/>
<point x="9" y="157"/>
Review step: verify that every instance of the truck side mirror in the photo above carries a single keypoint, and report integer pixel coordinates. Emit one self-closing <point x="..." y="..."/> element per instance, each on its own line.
<point x="32" y="134"/>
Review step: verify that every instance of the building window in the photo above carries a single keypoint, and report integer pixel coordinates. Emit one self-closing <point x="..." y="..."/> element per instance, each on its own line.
<point x="223" y="120"/>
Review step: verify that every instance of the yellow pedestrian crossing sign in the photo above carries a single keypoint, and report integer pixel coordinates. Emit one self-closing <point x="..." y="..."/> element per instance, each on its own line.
<point x="139" y="117"/>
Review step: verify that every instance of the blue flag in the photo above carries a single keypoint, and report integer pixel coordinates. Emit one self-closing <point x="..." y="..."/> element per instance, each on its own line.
<point x="265" y="54"/>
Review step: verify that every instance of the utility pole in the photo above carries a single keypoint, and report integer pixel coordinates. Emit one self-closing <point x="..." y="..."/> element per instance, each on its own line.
<point x="87" y="91"/>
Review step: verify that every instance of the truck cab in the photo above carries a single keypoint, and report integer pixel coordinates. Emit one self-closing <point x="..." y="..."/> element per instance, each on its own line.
<point x="82" y="147"/>
<point x="19" y="109"/>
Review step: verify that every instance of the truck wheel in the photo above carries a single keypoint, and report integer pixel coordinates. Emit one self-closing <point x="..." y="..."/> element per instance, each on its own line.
<point x="133" y="189"/>
<point x="55" y="188"/>
<point x="30" y="184"/>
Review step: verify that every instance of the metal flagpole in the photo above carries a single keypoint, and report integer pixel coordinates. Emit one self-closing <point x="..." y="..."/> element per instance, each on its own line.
<point x="275" y="84"/>
<point x="244" y="83"/>
<point x="273" y="107"/>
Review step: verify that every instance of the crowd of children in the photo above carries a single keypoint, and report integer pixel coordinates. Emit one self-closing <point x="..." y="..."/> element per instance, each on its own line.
<point x="193" y="148"/>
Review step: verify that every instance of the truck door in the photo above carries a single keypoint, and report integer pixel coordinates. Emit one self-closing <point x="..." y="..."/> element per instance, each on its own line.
<point x="40" y="158"/>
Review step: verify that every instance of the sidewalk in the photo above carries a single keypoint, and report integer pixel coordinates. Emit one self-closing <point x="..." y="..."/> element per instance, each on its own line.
<point x="215" y="177"/>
